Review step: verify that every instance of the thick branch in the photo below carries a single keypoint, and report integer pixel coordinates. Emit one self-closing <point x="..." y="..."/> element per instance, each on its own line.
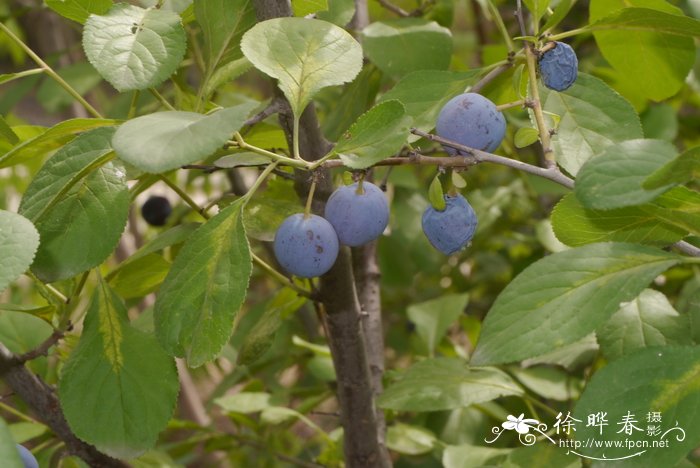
<point x="43" y="401"/>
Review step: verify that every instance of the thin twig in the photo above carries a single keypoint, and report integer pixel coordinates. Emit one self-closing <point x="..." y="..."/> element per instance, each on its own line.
<point x="490" y="76"/>
<point x="687" y="248"/>
<point x="394" y="8"/>
<point x="44" y="347"/>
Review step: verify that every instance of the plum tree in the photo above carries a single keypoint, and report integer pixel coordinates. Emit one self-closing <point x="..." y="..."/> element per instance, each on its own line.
<point x="156" y="210"/>
<point x="471" y="120"/>
<point x="559" y="67"/>
<point x="27" y="457"/>
<point x="358" y="213"/>
<point x="306" y="246"/>
<point x="449" y="230"/>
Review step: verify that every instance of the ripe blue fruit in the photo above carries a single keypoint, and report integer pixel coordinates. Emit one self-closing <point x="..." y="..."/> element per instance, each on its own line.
<point x="156" y="210"/>
<point x="471" y="120"/>
<point x="559" y="67"/>
<point x="306" y="247"/>
<point x="27" y="457"/>
<point x="451" y="229"/>
<point x="357" y="218"/>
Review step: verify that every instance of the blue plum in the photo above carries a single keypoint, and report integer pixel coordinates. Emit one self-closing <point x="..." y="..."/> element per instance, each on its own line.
<point x="358" y="218"/>
<point x="559" y="67"/>
<point x="27" y="457"/>
<point x="306" y="247"/>
<point x="451" y="229"/>
<point x="472" y="120"/>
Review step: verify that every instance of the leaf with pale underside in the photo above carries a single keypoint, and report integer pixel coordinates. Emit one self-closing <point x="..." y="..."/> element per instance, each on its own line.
<point x="19" y="241"/>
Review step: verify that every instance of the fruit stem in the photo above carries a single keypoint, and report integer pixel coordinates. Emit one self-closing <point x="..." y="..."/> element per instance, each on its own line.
<point x="295" y="137"/>
<point x="510" y="105"/>
<point x="238" y="140"/>
<point x="451" y="189"/>
<point x="279" y="276"/>
<point x="360" y="189"/>
<point x="185" y="197"/>
<point x="263" y="175"/>
<point x="537" y="106"/>
<point x="309" y="199"/>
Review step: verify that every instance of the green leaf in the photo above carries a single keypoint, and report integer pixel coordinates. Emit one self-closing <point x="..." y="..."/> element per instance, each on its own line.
<point x="81" y="76"/>
<point x="340" y="12"/>
<point x="680" y="170"/>
<point x="7" y="133"/>
<point x="433" y="318"/>
<point x="164" y="141"/>
<point x="688" y="303"/>
<point x="593" y="117"/>
<point x="445" y="383"/>
<point x="206" y="285"/>
<point x="117" y="375"/>
<point x="304" y="55"/>
<point x="458" y="181"/>
<point x="140" y="277"/>
<point x="660" y="379"/>
<point x="663" y="59"/>
<point x="549" y="382"/>
<point x="79" y="203"/>
<point x="435" y="194"/>
<point x="376" y="135"/>
<point x="19" y="241"/>
<point x="541" y="454"/>
<point x="135" y="48"/>
<point x="560" y="12"/>
<point x="264" y="213"/>
<point x="79" y="10"/>
<point x="223" y="23"/>
<point x="472" y="456"/>
<point x="525" y="136"/>
<point x="8" y="450"/>
<point x="49" y="140"/>
<point x="386" y="44"/>
<point x="679" y="206"/>
<point x="424" y="93"/>
<point x="537" y="8"/>
<point x="576" y="225"/>
<point x="614" y="178"/>
<point x="409" y="440"/>
<point x="660" y="122"/>
<point x="224" y="74"/>
<point x="22" y="332"/>
<point x="648" y="320"/>
<point x="564" y="297"/>
<point x="307" y="7"/>
<point x="242" y="159"/>
<point x="244" y="402"/>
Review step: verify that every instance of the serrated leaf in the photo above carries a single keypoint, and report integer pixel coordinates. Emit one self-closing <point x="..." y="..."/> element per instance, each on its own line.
<point x="206" y="285"/>
<point x="79" y="10"/>
<point x="7" y="133"/>
<point x="304" y="55"/>
<point x="166" y="140"/>
<point x="386" y="43"/>
<point x="659" y="379"/>
<point x="680" y="170"/>
<point x="134" y="48"/>
<point x="445" y="383"/>
<point x="77" y="184"/>
<point x="576" y="225"/>
<point x="436" y="195"/>
<point x="376" y="135"/>
<point x="307" y="7"/>
<point x="564" y="297"/>
<point x="223" y="23"/>
<point x="115" y="376"/>
<point x="648" y="320"/>
<point x="525" y="136"/>
<point x="614" y="178"/>
<point x="50" y="139"/>
<point x="433" y="318"/>
<point x="140" y="277"/>
<point x="663" y="59"/>
<point x="424" y="93"/>
<point x="593" y="117"/>
<point x="19" y="241"/>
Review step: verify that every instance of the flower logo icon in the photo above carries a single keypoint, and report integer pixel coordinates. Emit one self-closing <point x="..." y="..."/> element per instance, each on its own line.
<point x="521" y="425"/>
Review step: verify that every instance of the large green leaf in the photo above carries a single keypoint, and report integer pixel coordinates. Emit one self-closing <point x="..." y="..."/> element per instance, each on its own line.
<point x="682" y="169"/>
<point x="648" y="19"/>
<point x="140" y="277"/>
<point x="304" y="55"/>
<point x="166" y="140"/>
<point x="79" y="10"/>
<point x="593" y="117"/>
<point x="576" y="225"/>
<point x="81" y="76"/>
<point x="564" y="297"/>
<point x="386" y="43"/>
<point x="79" y="203"/>
<point x="663" y="380"/>
<point x="8" y="450"/>
<point x="424" y="93"/>
<point x="663" y="60"/>
<point x="433" y="318"/>
<point x="614" y="178"/>
<point x="648" y="320"/>
<point x="446" y="383"/>
<point x="19" y="241"/>
<point x="376" y="135"/>
<point x="679" y="206"/>
<point x="223" y="23"/>
<point x="204" y="289"/>
<point x="118" y="388"/>
<point x="133" y="47"/>
<point x="339" y="12"/>
<point x="51" y="139"/>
